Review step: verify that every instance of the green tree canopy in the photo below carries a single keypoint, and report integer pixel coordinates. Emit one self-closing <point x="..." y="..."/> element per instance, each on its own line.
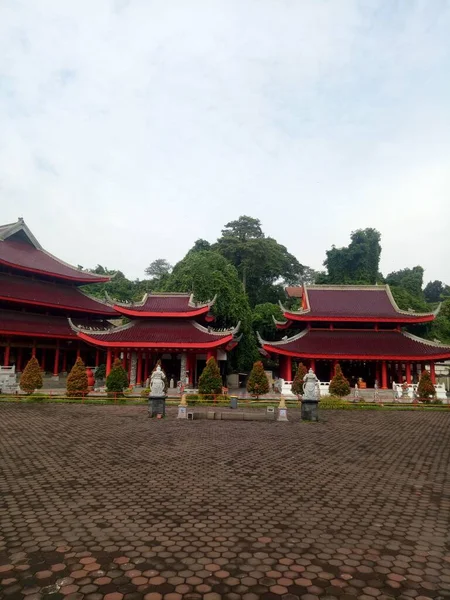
<point x="356" y="263"/>
<point x="158" y="268"/>
<point x="435" y="291"/>
<point x="411" y="280"/>
<point x="262" y="320"/>
<point x="207" y="273"/>
<point x="260" y="261"/>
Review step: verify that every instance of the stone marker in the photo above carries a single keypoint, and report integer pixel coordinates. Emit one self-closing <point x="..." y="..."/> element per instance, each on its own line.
<point x="282" y="410"/>
<point x="182" y="408"/>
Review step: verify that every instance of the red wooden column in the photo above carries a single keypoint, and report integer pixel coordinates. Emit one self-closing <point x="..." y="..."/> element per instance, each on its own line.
<point x="210" y="354"/>
<point x="33" y="349"/>
<point x="408" y="373"/>
<point x="433" y="373"/>
<point x="78" y="351"/>
<point x="287" y="368"/>
<point x="147" y="364"/>
<point x="384" y="385"/>
<point x="108" y="361"/>
<point x="312" y="364"/>
<point x="6" y="355"/>
<point x="19" y="360"/>
<point x="139" y="368"/>
<point x="56" y="362"/>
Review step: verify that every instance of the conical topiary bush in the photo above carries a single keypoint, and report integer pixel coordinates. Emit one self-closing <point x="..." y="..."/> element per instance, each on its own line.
<point x="426" y="390"/>
<point x="117" y="380"/>
<point x="31" y="378"/>
<point x="210" y="381"/>
<point x="339" y="385"/>
<point x="257" y="384"/>
<point x="77" y="380"/>
<point x="297" y="384"/>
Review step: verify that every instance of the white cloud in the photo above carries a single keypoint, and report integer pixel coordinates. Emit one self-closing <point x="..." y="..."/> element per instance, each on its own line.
<point x="129" y="129"/>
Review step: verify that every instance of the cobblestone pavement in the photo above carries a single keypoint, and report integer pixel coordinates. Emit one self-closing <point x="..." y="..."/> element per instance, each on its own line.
<point x="104" y="503"/>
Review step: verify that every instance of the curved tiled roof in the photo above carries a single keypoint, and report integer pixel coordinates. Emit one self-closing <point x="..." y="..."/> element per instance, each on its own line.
<point x="357" y="344"/>
<point x="25" y="290"/>
<point x="34" y="325"/>
<point x="170" y="305"/>
<point x="359" y="303"/>
<point x="20" y="250"/>
<point x="164" y="333"/>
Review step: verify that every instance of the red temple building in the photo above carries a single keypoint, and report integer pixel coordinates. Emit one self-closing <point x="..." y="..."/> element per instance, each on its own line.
<point x="45" y="313"/>
<point x="361" y="327"/>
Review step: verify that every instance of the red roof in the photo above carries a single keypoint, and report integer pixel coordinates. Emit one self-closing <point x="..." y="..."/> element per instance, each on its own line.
<point x="164" y="305"/>
<point x="358" y="344"/>
<point x="25" y="290"/>
<point x="19" y="249"/>
<point x="164" y="333"/>
<point x="31" y="325"/>
<point x="353" y="303"/>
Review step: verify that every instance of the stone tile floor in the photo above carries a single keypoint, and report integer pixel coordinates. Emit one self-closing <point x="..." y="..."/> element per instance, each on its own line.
<point x="103" y="503"/>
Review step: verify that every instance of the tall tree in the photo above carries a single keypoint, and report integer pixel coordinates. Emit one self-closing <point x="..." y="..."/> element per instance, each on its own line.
<point x="357" y="263"/>
<point x="410" y="280"/>
<point x="262" y="320"/>
<point x="158" y="268"/>
<point x="207" y="273"/>
<point x="435" y="291"/>
<point x="260" y="261"/>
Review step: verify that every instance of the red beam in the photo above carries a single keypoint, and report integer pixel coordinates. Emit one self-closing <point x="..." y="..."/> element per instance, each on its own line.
<point x="179" y="346"/>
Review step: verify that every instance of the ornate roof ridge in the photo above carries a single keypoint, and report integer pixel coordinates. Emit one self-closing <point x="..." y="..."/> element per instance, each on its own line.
<point x="95" y="299"/>
<point x="424" y="341"/>
<point x="343" y="286"/>
<point x="147" y="295"/>
<point x="409" y="312"/>
<point x="80" y="329"/>
<point x="211" y="331"/>
<point x="283" y="341"/>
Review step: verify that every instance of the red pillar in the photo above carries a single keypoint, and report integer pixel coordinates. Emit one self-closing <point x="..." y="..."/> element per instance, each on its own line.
<point x="433" y="373"/>
<point x="33" y="349"/>
<point x="6" y="355"/>
<point x="97" y="358"/>
<point x="210" y="354"/>
<point x="287" y="370"/>
<point x="78" y="351"/>
<point x="108" y="361"/>
<point x="56" y="363"/>
<point x="408" y="373"/>
<point x="139" y="368"/>
<point x="384" y="385"/>
<point x="312" y="364"/>
<point x="147" y="363"/>
<point x="19" y="360"/>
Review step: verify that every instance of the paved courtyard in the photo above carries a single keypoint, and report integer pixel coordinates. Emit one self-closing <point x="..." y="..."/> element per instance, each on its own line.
<point x="101" y="502"/>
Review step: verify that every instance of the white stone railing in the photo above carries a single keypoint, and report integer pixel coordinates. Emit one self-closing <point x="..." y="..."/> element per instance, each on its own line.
<point x="441" y="393"/>
<point x="287" y="385"/>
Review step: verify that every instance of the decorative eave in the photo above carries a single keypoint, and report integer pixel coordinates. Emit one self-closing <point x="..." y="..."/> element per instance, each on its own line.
<point x="283" y="341"/>
<point x="79" y="329"/>
<point x="307" y="314"/>
<point x="7" y="231"/>
<point x="225" y="332"/>
<point x="281" y="324"/>
<point x="135" y="309"/>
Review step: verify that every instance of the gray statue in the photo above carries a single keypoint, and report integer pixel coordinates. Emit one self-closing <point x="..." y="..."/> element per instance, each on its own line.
<point x="158" y="383"/>
<point x="310" y="386"/>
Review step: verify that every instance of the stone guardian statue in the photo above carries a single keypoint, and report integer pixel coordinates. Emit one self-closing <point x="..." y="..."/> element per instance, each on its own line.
<point x="310" y="398"/>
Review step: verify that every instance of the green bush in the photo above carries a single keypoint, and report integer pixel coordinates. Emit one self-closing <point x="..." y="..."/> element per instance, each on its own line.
<point x="117" y="380"/>
<point x="257" y="384"/>
<point x="297" y="384"/>
<point x="210" y="381"/>
<point x="339" y="385"/>
<point x="31" y="378"/>
<point x="100" y="372"/>
<point x="426" y="390"/>
<point x="145" y="392"/>
<point x="77" y="380"/>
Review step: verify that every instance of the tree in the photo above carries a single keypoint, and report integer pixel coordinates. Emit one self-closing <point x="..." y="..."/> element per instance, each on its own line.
<point x="31" y="378"/>
<point x="411" y="280"/>
<point x="260" y="261"/>
<point x="358" y="263"/>
<point x="426" y="389"/>
<point x="262" y="320"/>
<point x="200" y="245"/>
<point x="77" y="380"/>
<point x="100" y="372"/>
<point x="257" y="383"/>
<point x="117" y="380"/>
<point x="339" y="385"/>
<point x="158" y="268"/>
<point x="210" y="381"/>
<point x="207" y="273"/>
<point x="119" y="288"/>
<point x="297" y="384"/>
<point x="435" y="291"/>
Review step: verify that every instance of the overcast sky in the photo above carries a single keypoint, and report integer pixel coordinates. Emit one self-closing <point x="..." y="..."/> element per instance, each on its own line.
<point x="130" y="128"/>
